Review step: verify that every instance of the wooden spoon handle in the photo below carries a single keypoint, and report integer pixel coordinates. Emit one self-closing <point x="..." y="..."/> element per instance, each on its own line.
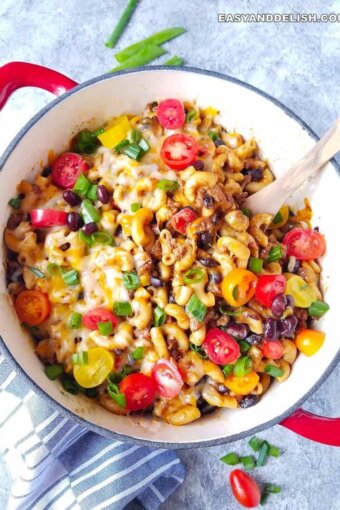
<point x="271" y="198"/>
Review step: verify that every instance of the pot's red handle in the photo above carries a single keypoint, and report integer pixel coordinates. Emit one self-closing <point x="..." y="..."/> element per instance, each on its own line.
<point x="15" y="75"/>
<point x="314" y="427"/>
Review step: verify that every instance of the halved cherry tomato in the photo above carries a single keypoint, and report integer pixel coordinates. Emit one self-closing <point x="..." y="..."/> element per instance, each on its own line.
<point x="304" y="244"/>
<point x="47" y="218"/>
<point x="100" y="364"/>
<point x="67" y="168"/>
<point x="181" y="219"/>
<point x="309" y="341"/>
<point x="242" y="385"/>
<point x="272" y="349"/>
<point x="167" y="378"/>
<point x="268" y="287"/>
<point x="303" y="294"/>
<point x="179" y="151"/>
<point x="91" y="318"/>
<point x="32" y="307"/>
<point x="245" y="489"/>
<point x="221" y="347"/>
<point x="238" y="287"/>
<point x="139" y="390"/>
<point x="170" y="113"/>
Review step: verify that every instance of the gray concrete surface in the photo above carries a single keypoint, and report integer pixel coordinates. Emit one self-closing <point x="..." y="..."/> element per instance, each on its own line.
<point x="296" y="63"/>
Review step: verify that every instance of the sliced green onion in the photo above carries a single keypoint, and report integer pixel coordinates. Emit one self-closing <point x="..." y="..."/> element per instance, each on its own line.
<point x="135" y="207"/>
<point x="70" y="385"/>
<point x="231" y="459"/>
<point x="86" y="238"/>
<point x="86" y="141"/>
<point x="193" y="275"/>
<point x="134" y="151"/>
<point x="71" y="277"/>
<point x="119" y="398"/>
<point x="102" y="238"/>
<point x="88" y="211"/>
<point x="82" y="185"/>
<point x="248" y="461"/>
<point x="122" y="308"/>
<point x="143" y="144"/>
<point x="273" y="371"/>
<point x="53" y="268"/>
<point x="116" y="377"/>
<point x="122" y="22"/>
<point x="228" y="369"/>
<point x="98" y="131"/>
<point x="199" y="350"/>
<point x="255" y="265"/>
<point x="159" y="316"/>
<point x="277" y="218"/>
<point x="75" y="320"/>
<point x="275" y="253"/>
<point x="174" y="61"/>
<point x="131" y="280"/>
<point x="53" y="371"/>
<point x="138" y="353"/>
<point x="213" y="135"/>
<point x="271" y="488"/>
<point x="255" y="443"/>
<point x="92" y="192"/>
<point x="246" y="212"/>
<point x="243" y="366"/>
<point x="122" y="145"/>
<point x="274" y="451"/>
<point x="135" y="135"/>
<point x="264" y="497"/>
<point x="80" y="358"/>
<point x="105" y="328"/>
<point x="155" y="39"/>
<point x="37" y="272"/>
<point x="235" y="292"/>
<point x="167" y="185"/>
<point x="142" y="57"/>
<point x="244" y="346"/>
<point x="318" y="309"/>
<point x="225" y="310"/>
<point x="263" y="454"/>
<point x="15" y="203"/>
<point x="190" y="115"/>
<point x="196" y="308"/>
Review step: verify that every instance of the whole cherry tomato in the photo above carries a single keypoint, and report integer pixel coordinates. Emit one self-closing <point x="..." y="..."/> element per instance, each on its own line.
<point x="245" y="489"/>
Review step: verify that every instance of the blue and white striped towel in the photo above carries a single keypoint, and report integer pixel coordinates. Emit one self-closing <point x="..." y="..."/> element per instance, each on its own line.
<point x="56" y="464"/>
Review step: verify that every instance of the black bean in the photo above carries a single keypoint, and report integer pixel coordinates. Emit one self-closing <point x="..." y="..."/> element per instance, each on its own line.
<point x="46" y="171"/>
<point x="215" y="277"/>
<point x="41" y="236"/>
<point x="90" y="228"/>
<point x="270" y="329"/>
<point x="171" y="299"/>
<point x="239" y="331"/>
<point x="175" y="354"/>
<point x="198" y="164"/>
<point x="316" y="229"/>
<point x="208" y="201"/>
<point x="217" y="216"/>
<point x="156" y="282"/>
<point x="77" y="339"/>
<point x="74" y="221"/>
<point x="204" y="407"/>
<point x="204" y="239"/>
<point x="222" y="389"/>
<point x="13" y="221"/>
<point x="71" y="197"/>
<point x="65" y="246"/>
<point x="219" y="142"/>
<point x="249" y="401"/>
<point x="278" y="305"/>
<point x="287" y="326"/>
<point x="81" y="295"/>
<point x="290" y="301"/>
<point x="254" y="339"/>
<point x="207" y="262"/>
<point x="103" y="194"/>
<point x="255" y="173"/>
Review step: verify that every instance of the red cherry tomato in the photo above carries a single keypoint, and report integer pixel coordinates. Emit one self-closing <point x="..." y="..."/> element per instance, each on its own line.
<point x="139" y="390"/>
<point x="245" y="489"/>
<point x="91" y="318"/>
<point x="179" y="151"/>
<point x="272" y="349"/>
<point x="167" y="378"/>
<point x="67" y="168"/>
<point x="170" y="113"/>
<point x="47" y="218"/>
<point x="221" y="347"/>
<point x="304" y="244"/>
<point x="181" y="219"/>
<point x="269" y="286"/>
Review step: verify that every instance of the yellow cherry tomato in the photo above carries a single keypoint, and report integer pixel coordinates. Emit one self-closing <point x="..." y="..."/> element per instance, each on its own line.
<point x="238" y="287"/>
<point x="303" y="294"/>
<point x="242" y="385"/>
<point x="280" y="218"/>
<point x="309" y="341"/>
<point x="100" y="364"/>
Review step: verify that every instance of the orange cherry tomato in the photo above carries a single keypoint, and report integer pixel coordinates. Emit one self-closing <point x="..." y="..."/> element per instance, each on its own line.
<point x="32" y="307"/>
<point x="238" y="287"/>
<point x="242" y="385"/>
<point x="309" y="341"/>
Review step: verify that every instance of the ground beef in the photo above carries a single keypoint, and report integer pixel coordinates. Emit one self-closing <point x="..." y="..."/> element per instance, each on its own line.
<point x="240" y="198"/>
<point x="146" y="268"/>
<point x="213" y="196"/>
<point x="172" y="205"/>
<point x="142" y="333"/>
<point x="156" y="250"/>
<point x="223" y="320"/>
<point x="302" y="316"/>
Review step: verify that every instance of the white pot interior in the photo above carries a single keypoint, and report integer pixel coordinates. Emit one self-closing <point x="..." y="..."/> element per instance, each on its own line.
<point x="282" y="140"/>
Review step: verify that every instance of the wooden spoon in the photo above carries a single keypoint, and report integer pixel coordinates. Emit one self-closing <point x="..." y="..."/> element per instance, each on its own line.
<point x="272" y="197"/>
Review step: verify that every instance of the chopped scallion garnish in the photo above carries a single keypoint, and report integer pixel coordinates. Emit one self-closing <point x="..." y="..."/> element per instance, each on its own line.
<point x="174" y="61"/>
<point x="131" y="280"/>
<point x="80" y="358"/>
<point x="92" y="192"/>
<point x="274" y="451"/>
<point x="159" y="316"/>
<point x="75" y="320"/>
<point x="88" y="211"/>
<point x="246" y="212"/>
<point x="235" y="292"/>
<point x="135" y="207"/>
<point x="70" y="277"/>
<point x="318" y="309"/>
<point x="70" y="385"/>
<point x="116" y="395"/>
<point x="122" y="145"/>
<point x="231" y="459"/>
<point x="244" y="346"/>
<point x="193" y="275"/>
<point x="102" y="238"/>
<point x="143" y="144"/>
<point x="82" y="185"/>
<point x="53" y="371"/>
<point x="122" y="308"/>
<point x="196" y="308"/>
<point x="275" y="253"/>
<point x="255" y="265"/>
<point x="228" y="369"/>
<point x="122" y="22"/>
<point x="190" y="115"/>
<point x="273" y="371"/>
<point x="199" y="350"/>
<point x="86" y="238"/>
<point x="277" y="218"/>
<point x="213" y="135"/>
<point x="248" y="461"/>
<point x="271" y="488"/>
<point x="135" y="135"/>
<point x="134" y="151"/>
<point x="53" y="268"/>
<point x="263" y="454"/>
<point x="255" y="443"/>
<point x="15" y="203"/>
<point x="37" y="272"/>
<point x="138" y="353"/>
<point x="167" y="185"/>
<point x="243" y="366"/>
<point x="105" y="328"/>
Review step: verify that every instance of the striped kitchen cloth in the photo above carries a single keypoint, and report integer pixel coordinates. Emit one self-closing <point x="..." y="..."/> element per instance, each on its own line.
<point x="56" y="464"/>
